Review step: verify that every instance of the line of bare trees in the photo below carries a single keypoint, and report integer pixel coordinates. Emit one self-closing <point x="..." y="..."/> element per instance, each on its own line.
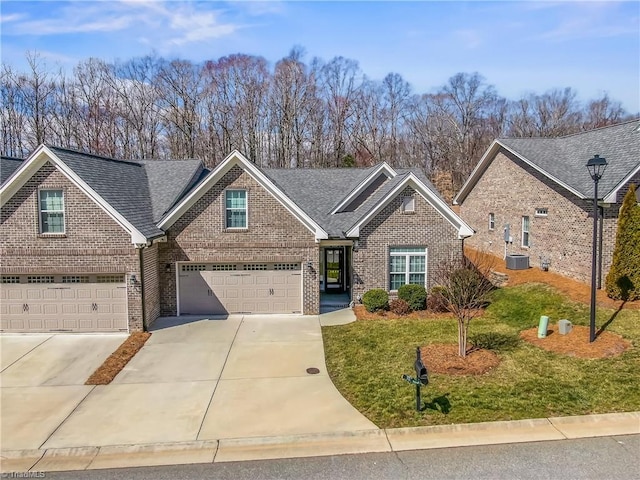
<point x="290" y="115"/>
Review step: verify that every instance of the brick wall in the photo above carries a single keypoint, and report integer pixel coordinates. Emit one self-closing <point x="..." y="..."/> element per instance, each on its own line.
<point x="273" y="235"/>
<point x="393" y="228"/>
<point x="93" y="242"/>
<point x="151" y="284"/>
<point x="511" y="189"/>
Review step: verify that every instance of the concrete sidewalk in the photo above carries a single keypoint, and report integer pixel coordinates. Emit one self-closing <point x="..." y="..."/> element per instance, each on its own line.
<point x="337" y="443"/>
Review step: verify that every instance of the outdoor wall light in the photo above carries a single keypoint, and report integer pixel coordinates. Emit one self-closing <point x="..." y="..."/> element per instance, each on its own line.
<point x="167" y="268"/>
<point x="133" y="279"/>
<point x="309" y="264"/>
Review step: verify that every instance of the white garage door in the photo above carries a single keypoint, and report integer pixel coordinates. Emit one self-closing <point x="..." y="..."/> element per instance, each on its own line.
<point x="218" y="289"/>
<point x="63" y="303"/>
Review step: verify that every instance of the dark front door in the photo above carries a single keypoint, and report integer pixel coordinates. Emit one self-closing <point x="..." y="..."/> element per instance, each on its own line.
<point x="334" y="270"/>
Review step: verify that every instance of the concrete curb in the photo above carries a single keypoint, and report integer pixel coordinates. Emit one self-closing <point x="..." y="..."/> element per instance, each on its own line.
<point x="338" y="443"/>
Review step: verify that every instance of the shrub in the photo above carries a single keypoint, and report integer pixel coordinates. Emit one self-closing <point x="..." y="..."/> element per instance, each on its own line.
<point x="414" y="295"/>
<point x="376" y="299"/>
<point x="399" y="307"/>
<point x="623" y="280"/>
<point x="494" y="341"/>
<point x="437" y="301"/>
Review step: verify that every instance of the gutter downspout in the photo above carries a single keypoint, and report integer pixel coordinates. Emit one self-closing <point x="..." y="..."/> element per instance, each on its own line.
<point x="141" y="266"/>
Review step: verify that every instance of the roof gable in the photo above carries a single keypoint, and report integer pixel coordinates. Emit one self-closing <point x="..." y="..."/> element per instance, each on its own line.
<point x="563" y="159"/>
<point x="411" y="180"/>
<point x="69" y="163"/>
<point x="235" y="158"/>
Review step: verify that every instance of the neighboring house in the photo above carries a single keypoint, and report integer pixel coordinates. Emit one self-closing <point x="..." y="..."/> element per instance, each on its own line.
<point x="90" y="243"/>
<point x="541" y="188"/>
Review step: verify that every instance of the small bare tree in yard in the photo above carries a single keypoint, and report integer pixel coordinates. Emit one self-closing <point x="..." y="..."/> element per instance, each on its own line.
<point x="463" y="287"/>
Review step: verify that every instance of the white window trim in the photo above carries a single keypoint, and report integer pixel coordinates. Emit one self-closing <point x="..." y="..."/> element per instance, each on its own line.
<point x="246" y="208"/>
<point x="492" y="221"/>
<point x="523" y="231"/>
<point x="41" y="211"/>
<point x="542" y="212"/>
<point x="407" y="273"/>
<point x="408" y="204"/>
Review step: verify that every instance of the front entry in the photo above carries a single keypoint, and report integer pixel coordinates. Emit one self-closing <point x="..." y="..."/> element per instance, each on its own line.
<point x="334" y="277"/>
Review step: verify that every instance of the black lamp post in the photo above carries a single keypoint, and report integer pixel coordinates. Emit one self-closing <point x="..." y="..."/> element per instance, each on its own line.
<point x="596" y="167"/>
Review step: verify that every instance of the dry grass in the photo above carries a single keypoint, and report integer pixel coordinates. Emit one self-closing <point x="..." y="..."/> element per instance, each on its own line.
<point x="106" y="372"/>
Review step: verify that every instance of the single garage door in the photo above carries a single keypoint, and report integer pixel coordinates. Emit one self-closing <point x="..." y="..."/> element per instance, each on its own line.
<point x="217" y="289"/>
<point x="63" y="303"/>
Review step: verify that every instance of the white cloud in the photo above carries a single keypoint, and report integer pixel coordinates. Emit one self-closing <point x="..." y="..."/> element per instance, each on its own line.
<point x="160" y="23"/>
<point x="11" y="18"/>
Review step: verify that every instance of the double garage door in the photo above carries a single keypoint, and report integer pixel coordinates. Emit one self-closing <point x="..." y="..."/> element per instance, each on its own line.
<point x="63" y="303"/>
<point x="221" y="288"/>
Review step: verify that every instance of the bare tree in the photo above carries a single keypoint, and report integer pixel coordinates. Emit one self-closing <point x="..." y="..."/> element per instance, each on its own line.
<point x="181" y="88"/>
<point x="339" y="87"/>
<point x="602" y="112"/>
<point x="292" y="101"/>
<point x="292" y="114"/>
<point x="13" y="115"/>
<point x="464" y="288"/>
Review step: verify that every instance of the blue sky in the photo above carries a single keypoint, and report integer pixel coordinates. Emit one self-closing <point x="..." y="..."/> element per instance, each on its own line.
<point x="518" y="46"/>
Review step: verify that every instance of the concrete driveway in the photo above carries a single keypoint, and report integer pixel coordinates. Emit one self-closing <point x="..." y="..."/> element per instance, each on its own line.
<point x="42" y="379"/>
<point x="200" y="379"/>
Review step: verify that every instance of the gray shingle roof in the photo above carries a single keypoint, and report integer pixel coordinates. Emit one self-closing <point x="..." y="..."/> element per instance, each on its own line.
<point x="122" y="184"/>
<point x="168" y="181"/>
<point x="8" y="165"/>
<point x="565" y="158"/>
<point x="318" y="191"/>
<point x="143" y="191"/>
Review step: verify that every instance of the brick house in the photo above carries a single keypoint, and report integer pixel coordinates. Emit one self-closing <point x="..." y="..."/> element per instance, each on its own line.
<point x="90" y="243"/>
<point x="541" y="189"/>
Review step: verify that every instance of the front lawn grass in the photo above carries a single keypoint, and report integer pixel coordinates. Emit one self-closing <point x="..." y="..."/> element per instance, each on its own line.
<point x="366" y="360"/>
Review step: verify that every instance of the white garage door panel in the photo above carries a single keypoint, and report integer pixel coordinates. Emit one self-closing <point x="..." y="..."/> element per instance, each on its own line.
<point x="250" y="288"/>
<point x="76" y="307"/>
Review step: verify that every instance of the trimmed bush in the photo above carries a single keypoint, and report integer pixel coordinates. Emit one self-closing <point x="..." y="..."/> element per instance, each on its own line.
<point x="437" y="301"/>
<point x="623" y="279"/>
<point x="376" y="299"/>
<point x="414" y="295"/>
<point x="399" y="307"/>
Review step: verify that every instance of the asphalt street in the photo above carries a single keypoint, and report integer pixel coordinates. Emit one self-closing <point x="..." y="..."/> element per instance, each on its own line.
<point x="587" y="458"/>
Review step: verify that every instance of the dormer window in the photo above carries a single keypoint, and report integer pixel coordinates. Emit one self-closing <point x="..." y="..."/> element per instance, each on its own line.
<point x="51" y="208"/>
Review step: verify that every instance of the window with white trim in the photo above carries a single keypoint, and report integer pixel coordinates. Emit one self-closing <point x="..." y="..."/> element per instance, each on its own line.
<point x="236" y="209"/>
<point x="407" y="265"/>
<point x="492" y="221"/>
<point x="542" y="212"/>
<point x="525" y="232"/>
<point x="408" y="204"/>
<point x="51" y="207"/>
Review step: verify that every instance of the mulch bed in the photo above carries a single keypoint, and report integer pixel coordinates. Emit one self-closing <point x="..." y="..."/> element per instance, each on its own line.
<point x="106" y="372"/>
<point x="576" y="343"/>
<point x="444" y="358"/>
<point x="577" y="291"/>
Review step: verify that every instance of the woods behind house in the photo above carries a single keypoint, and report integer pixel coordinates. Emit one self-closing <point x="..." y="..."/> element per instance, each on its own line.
<point x="291" y="114"/>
